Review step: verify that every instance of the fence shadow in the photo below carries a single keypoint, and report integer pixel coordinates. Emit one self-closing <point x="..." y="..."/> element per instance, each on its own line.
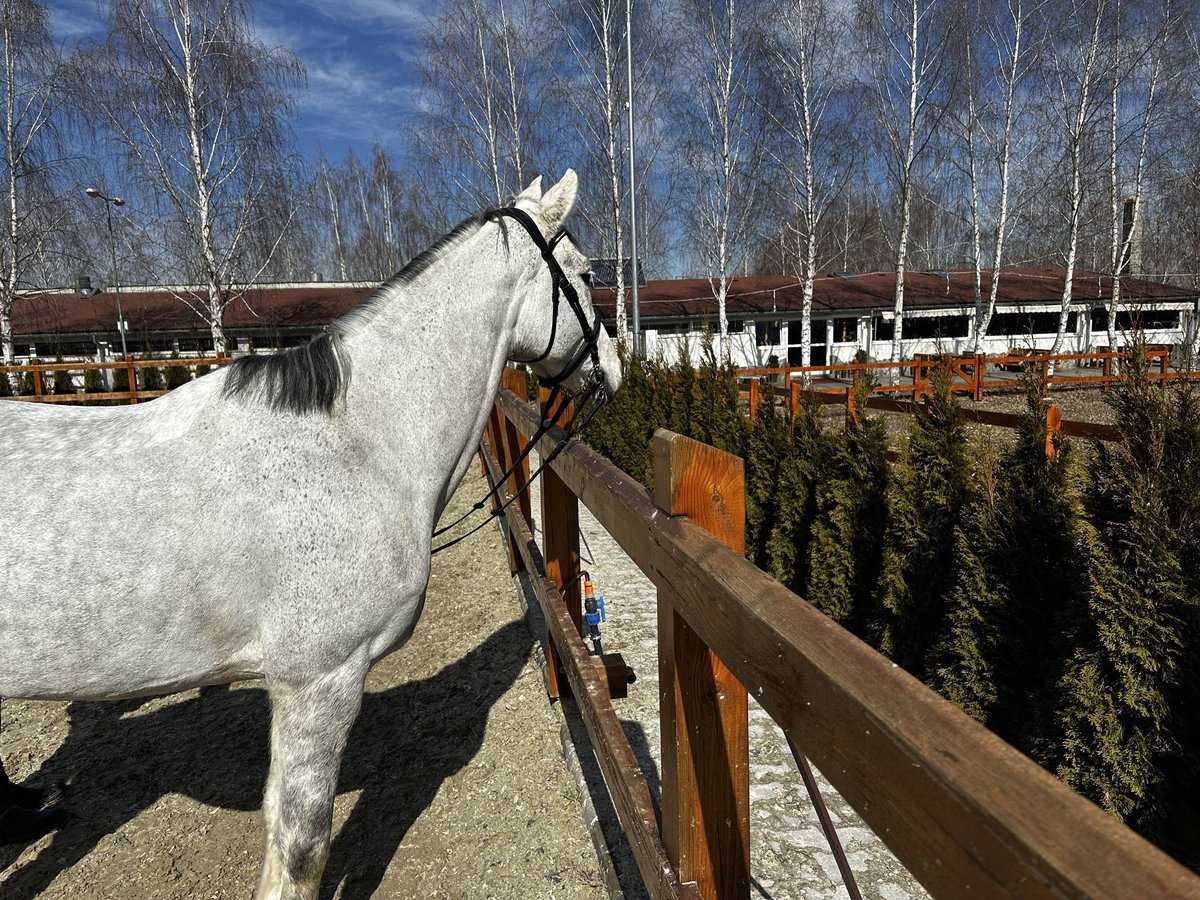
<point x="408" y="739"/>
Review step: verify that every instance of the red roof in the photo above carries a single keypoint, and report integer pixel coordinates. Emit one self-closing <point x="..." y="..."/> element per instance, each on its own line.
<point x="304" y="306"/>
<point x="693" y="297"/>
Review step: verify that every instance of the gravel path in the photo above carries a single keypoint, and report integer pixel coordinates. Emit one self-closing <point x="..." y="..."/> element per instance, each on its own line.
<point x="453" y="784"/>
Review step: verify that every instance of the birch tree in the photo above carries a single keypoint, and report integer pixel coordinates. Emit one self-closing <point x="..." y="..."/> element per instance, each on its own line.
<point x="1005" y="68"/>
<point x="1130" y="60"/>
<point x="808" y="62"/>
<point x="1074" y="76"/>
<point x="722" y="154"/>
<point x="30" y="155"/>
<point x="199" y="109"/>
<point x="906" y="51"/>
<point x="477" y="127"/>
<point x="594" y="34"/>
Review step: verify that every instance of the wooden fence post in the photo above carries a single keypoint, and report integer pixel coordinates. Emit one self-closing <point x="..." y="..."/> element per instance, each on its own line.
<point x="980" y="374"/>
<point x="510" y="438"/>
<point x="133" y="398"/>
<point x="560" y="544"/>
<point x="851" y="406"/>
<point x="703" y="708"/>
<point x="754" y="398"/>
<point x="1053" y="426"/>
<point x="39" y="387"/>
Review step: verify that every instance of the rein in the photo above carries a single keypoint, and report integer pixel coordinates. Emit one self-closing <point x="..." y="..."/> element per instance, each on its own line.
<point x="592" y="398"/>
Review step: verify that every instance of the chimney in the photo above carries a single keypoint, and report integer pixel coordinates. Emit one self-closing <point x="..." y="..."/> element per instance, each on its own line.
<point x="83" y="286"/>
<point x="1131" y="238"/>
<point x="317" y="276"/>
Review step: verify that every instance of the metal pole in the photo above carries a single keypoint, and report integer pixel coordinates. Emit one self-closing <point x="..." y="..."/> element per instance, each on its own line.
<point x="112" y="243"/>
<point x="633" y="256"/>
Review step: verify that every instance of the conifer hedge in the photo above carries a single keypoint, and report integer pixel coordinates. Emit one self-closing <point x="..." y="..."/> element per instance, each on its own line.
<point x="1055" y="598"/>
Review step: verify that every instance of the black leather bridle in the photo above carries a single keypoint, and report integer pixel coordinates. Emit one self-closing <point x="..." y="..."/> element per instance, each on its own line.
<point x="592" y="394"/>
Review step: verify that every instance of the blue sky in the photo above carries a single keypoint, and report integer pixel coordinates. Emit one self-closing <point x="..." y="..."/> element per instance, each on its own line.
<point x="359" y="56"/>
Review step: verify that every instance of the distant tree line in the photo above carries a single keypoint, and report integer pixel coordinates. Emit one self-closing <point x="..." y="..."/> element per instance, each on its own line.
<point x="1055" y="598"/>
<point x="773" y="136"/>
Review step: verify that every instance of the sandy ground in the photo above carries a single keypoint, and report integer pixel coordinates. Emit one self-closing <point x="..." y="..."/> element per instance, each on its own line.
<point x="453" y="784"/>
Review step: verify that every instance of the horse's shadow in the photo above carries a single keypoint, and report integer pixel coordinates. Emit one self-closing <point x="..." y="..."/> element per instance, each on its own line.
<point x="213" y="747"/>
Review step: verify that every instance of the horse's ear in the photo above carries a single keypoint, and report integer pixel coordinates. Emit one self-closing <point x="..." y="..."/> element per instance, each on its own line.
<point x="531" y="194"/>
<point x="558" y="201"/>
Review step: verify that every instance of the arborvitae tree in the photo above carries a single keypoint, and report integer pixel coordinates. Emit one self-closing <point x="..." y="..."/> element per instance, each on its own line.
<point x="1180" y="828"/>
<point x="177" y="376"/>
<point x="6" y="389"/>
<point x="796" y="507"/>
<point x="150" y="377"/>
<point x="932" y="484"/>
<point x="1116" y="724"/>
<point x="203" y="369"/>
<point x="27" y="383"/>
<point x="680" y="398"/>
<point x="769" y="445"/>
<point x="120" y="382"/>
<point x="93" y="382"/>
<point x="731" y="426"/>
<point x="1037" y="566"/>
<point x="704" y="395"/>
<point x="851" y="516"/>
<point x="623" y="429"/>
<point x="961" y="666"/>
<point x="63" y="382"/>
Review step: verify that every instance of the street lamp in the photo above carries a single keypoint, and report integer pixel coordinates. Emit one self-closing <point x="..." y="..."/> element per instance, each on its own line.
<point x="109" y="203"/>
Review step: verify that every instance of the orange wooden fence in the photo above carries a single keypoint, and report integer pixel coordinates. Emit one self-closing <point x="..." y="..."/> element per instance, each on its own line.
<point x="970" y="374"/>
<point x="966" y="813"/>
<point x="130" y="365"/>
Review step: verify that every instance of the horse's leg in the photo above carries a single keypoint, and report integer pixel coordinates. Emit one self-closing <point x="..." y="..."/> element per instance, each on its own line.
<point x="309" y="725"/>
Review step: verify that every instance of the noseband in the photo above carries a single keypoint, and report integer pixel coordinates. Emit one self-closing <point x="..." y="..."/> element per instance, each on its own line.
<point x="592" y="396"/>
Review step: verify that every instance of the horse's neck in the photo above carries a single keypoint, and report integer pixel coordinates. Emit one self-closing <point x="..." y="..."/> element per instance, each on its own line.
<point x="425" y="368"/>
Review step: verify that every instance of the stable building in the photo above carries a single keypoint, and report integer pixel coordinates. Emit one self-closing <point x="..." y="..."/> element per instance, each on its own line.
<point x="850" y="313"/>
<point x="854" y="312"/>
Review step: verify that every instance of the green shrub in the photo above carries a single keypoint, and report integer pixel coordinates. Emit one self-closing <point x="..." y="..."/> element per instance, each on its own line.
<point x="63" y="382"/>
<point x="150" y="378"/>
<point x="176" y="376"/>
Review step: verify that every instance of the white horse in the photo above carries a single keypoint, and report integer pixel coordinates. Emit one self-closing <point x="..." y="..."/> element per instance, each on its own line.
<point x="290" y="500"/>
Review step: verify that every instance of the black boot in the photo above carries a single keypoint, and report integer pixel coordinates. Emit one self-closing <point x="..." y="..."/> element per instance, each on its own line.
<point x="21" y="826"/>
<point x="28" y="797"/>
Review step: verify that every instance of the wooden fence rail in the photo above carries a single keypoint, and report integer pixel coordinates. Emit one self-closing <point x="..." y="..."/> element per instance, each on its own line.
<point x="129" y="365"/>
<point x="969" y="374"/>
<point x="965" y="812"/>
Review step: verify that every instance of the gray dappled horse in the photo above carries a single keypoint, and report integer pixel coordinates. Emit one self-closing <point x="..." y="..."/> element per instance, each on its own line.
<point x="273" y="519"/>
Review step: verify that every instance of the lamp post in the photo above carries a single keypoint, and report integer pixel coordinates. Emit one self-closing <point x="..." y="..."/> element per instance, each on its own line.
<point x="633" y="268"/>
<point x="109" y="203"/>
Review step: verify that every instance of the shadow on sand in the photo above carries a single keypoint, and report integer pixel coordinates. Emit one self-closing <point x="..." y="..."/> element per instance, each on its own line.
<point x="213" y="747"/>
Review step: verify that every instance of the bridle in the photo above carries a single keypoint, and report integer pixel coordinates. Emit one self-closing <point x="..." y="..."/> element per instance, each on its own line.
<point x="591" y="396"/>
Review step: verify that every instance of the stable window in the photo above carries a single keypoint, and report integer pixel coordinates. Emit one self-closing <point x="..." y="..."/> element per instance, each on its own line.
<point x="934" y="327"/>
<point x="767" y="333"/>
<point x="1026" y="324"/>
<point x="845" y="331"/>
<point x="1136" y="320"/>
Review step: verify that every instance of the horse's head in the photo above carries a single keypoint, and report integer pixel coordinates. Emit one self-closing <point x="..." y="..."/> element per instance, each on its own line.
<point x="558" y="331"/>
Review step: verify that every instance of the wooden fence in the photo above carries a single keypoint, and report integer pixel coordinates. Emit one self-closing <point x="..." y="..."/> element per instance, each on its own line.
<point x="129" y="365"/>
<point x="1055" y="423"/>
<point x="970" y="374"/>
<point x="965" y="812"/>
